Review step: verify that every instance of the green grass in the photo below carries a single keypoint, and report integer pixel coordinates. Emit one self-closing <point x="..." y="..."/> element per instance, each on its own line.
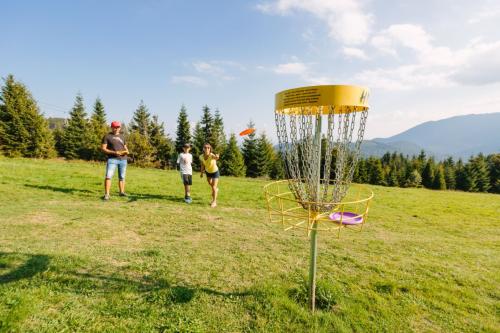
<point x="427" y="261"/>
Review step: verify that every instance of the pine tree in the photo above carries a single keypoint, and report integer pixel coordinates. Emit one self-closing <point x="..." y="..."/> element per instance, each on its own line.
<point x="141" y="121"/>
<point x="480" y="166"/>
<point x="207" y="124"/>
<point x="414" y="180"/>
<point x="277" y="168"/>
<point x="439" y="182"/>
<point x="428" y="173"/>
<point x="250" y="153"/>
<point x="198" y="142"/>
<point x="234" y="165"/>
<point x="161" y="143"/>
<point x="218" y="137"/>
<point x="97" y="130"/>
<point x="494" y="165"/>
<point x="376" y="172"/>
<point x="75" y="134"/>
<point x="362" y="172"/>
<point x="470" y="181"/>
<point x="265" y="155"/>
<point x="460" y="176"/>
<point x="420" y="162"/>
<point x="449" y="173"/>
<point x="392" y="177"/>
<point x="183" y="134"/>
<point x="23" y="129"/>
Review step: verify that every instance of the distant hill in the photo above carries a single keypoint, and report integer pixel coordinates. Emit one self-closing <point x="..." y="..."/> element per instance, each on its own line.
<point x="460" y="136"/>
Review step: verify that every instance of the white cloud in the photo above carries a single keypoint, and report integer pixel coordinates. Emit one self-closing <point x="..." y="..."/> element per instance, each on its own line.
<point x="480" y="64"/>
<point x="205" y="67"/>
<point x="294" y="68"/>
<point x="485" y="14"/>
<point x="433" y="66"/>
<point x="346" y="19"/>
<point x="352" y="52"/>
<point x="301" y="70"/>
<point x="190" y="80"/>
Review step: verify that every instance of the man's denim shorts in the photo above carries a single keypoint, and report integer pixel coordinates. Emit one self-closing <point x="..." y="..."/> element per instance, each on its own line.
<point x="111" y="167"/>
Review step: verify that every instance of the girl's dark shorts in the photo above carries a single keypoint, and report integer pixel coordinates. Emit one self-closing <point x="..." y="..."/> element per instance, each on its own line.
<point x="216" y="174"/>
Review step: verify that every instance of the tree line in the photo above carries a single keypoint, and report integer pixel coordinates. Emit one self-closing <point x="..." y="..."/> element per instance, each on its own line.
<point x="24" y="132"/>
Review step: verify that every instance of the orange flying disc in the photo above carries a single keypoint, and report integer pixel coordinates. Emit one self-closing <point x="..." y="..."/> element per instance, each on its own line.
<point x="247" y="131"/>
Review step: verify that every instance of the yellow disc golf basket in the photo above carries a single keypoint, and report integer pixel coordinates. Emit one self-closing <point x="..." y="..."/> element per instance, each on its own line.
<point x="320" y="130"/>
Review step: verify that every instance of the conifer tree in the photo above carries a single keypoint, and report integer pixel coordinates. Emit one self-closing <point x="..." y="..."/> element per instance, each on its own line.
<point x="439" y="182"/>
<point x="376" y="172"/>
<point x="250" y="153"/>
<point x="76" y="132"/>
<point x="234" y="164"/>
<point x="183" y="133"/>
<point x="428" y="173"/>
<point x="392" y="177"/>
<point x="494" y="165"/>
<point x="277" y="168"/>
<point x="414" y="180"/>
<point x="23" y="129"/>
<point x="265" y="155"/>
<point x="97" y="130"/>
<point x="207" y="124"/>
<point x="481" y="170"/>
<point x="470" y="181"/>
<point x="162" y="145"/>
<point x="198" y="142"/>
<point x="449" y="173"/>
<point x="218" y="137"/>
<point x="460" y="176"/>
<point x="141" y="121"/>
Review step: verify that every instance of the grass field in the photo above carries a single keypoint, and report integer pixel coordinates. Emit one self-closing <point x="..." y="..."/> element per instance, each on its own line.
<point x="427" y="261"/>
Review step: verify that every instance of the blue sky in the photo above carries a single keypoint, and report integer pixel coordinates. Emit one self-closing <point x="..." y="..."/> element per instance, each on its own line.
<point x="422" y="60"/>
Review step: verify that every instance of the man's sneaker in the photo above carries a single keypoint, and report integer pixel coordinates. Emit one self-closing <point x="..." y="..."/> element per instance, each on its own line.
<point x="105" y="197"/>
<point x="188" y="200"/>
<point x="123" y="194"/>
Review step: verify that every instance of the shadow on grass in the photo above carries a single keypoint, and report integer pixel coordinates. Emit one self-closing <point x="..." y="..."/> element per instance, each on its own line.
<point x="158" y="291"/>
<point x="34" y="264"/>
<point x="59" y="189"/>
<point x="172" y="198"/>
<point x="131" y="197"/>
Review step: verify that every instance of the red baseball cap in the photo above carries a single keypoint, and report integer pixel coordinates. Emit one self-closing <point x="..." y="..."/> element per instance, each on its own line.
<point x="115" y="124"/>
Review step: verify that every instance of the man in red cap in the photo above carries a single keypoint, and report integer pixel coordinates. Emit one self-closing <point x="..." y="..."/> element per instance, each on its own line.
<point x="113" y="145"/>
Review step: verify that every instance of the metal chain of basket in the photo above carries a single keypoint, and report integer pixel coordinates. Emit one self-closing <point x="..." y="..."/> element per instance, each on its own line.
<point x="296" y="135"/>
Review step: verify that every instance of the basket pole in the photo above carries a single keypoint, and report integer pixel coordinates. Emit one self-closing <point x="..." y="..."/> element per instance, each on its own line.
<point x="314" y="227"/>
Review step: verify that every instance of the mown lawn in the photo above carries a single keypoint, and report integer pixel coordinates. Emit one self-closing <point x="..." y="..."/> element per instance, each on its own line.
<point x="427" y="261"/>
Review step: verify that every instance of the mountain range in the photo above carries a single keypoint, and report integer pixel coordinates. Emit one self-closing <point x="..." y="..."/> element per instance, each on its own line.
<point x="458" y="137"/>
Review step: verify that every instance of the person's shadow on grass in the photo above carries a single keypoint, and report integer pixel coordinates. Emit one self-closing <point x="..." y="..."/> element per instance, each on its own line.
<point x="35" y="264"/>
<point x="59" y="189"/>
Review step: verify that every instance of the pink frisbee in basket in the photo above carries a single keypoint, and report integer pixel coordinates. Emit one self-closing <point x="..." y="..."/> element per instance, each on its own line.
<point x="348" y="218"/>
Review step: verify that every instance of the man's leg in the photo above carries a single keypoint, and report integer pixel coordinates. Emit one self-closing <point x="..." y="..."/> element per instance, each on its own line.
<point x="110" y="170"/>
<point x="107" y="185"/>
<point x="122" y="169"/>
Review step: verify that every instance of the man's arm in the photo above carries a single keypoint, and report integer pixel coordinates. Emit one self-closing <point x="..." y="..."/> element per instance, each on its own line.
<point x="104" y="148"/>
